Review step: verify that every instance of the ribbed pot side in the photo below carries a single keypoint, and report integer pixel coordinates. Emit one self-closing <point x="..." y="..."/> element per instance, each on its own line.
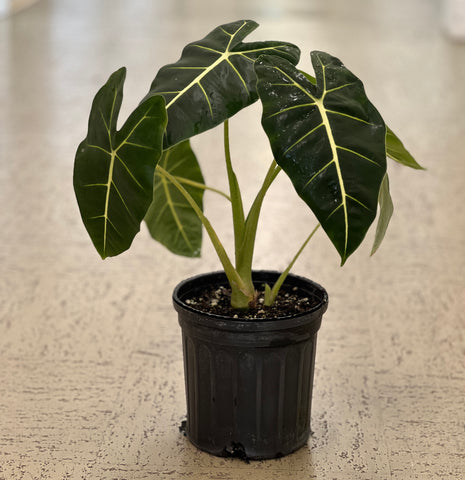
<point x="248" y="382"/>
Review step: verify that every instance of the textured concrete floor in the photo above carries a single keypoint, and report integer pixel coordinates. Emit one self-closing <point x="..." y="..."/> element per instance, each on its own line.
<point x="91" y="382"/>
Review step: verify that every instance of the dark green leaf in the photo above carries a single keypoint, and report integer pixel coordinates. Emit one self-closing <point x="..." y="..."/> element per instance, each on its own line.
<point x="386" y="209"/>
<point x="213" y="79"/>
<point x="395" y="149"/>
<point x="329" y="139"/>
<point x="113" y="170"/>
<point x="170" y="218"/>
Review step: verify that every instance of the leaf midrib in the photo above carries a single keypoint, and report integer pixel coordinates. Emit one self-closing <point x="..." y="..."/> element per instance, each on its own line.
<point x="224" y="56"/>
<point x="319" y="103"/>
<point x="197" y="81"/>
<point x="113" y="153"/>
<point x="335" y="160"/>
<point x="110" y="172"/>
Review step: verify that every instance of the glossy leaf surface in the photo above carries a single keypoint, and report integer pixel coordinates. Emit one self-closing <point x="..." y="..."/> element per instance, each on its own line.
<point x="386" y="209"/>
<point x="113" y="170"/>
<point x="329" y="139"/>
<point x="213" y="79"/>
<point x="170" y="218"/>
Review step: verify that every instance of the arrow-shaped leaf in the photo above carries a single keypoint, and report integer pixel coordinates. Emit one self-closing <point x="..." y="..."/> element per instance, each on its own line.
<point x="213" y="79"/>
<point x="329" y="139"/>
<point x="170" y="218"/>
<point x="113" y="170"/>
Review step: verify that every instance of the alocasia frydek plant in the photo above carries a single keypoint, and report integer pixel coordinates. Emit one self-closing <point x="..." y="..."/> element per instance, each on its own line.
<point x="324" y="134"/>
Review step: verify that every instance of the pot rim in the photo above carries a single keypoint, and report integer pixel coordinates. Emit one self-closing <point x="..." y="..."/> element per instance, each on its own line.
<point x="223" y="322"/>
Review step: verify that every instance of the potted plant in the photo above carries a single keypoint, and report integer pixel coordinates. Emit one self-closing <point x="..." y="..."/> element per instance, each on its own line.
<point x="249" y="337"/>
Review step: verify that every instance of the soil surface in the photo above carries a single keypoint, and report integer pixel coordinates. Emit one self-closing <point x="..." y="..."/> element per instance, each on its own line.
<point x="216" y="300"/>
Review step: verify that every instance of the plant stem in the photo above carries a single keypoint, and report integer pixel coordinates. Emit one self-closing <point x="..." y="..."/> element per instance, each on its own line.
<point x="235" y="194"/>
<point x="245" y="257"/>
<point x="238" y="299"/>
<point x="202" y="186"/>
<point x="270" y="295"/>
<point x="245" y="250"/>
<point x="233" y="277"/>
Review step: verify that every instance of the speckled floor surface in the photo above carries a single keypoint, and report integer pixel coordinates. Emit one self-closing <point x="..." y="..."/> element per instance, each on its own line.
<point x="91" y="381"/>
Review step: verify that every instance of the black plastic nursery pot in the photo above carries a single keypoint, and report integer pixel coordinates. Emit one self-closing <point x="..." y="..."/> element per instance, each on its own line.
<point x="248" y="382"/>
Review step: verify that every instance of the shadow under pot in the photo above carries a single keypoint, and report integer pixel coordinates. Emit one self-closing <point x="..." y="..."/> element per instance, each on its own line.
<point x="248" y="382"/>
